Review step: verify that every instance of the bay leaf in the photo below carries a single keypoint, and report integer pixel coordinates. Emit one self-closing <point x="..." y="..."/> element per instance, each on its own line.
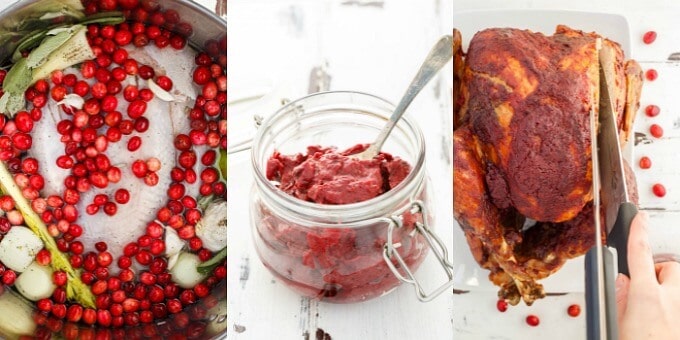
<point x="47" y="46"/>
<point x="19" y="78"/>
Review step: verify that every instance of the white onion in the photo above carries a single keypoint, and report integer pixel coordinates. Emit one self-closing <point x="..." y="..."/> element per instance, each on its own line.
<point x="36" y="282"/>
<point x="19" y="247"/>
<point x="184" y="272"/>
<point x="212" y="228"/>
<point x="16" y="315"/>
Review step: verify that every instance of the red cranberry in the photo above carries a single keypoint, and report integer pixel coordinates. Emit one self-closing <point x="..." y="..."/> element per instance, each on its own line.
<point x="43" y="257"/>
<point x="146" y="72"/>
<point x="110" y="208"/>
<point x="651" y="74"/>
<point x="122" y="196"/>
<point x="656" y="130"/>
<point x="645" y="162"/>
<point x="652" y="110"/>
<point x="532" y="320"/>
<point x="59" y="278"/>
<point x="649" y="37"/>
<point x="136" y="109"/>
<point x="9" y="277"/>
<point x="74" y="313"/>
<point x="174" y="306"/>
<point x="89" y="316"/>
<point x="574" y="310"/>
<point x="659" y="190"/>
<point x="124" y="262"/>
<point x="201" y="75"/>
<point x="187" y="159"/>
<point x="59" y="310"/>
<point x="134" y="144"/>
<point x="139" y="168"/>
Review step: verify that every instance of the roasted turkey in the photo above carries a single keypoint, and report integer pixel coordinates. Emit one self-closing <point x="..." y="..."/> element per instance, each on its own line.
<point x="522" y="151"/>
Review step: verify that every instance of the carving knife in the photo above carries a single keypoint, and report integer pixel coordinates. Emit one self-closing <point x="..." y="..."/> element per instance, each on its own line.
<point x="609" y="187"/>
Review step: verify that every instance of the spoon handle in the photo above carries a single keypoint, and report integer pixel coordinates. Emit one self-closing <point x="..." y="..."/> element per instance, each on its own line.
<point x="440" y="54"/>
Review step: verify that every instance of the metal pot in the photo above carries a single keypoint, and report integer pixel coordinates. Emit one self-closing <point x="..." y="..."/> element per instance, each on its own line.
<point x="20" y="19"/>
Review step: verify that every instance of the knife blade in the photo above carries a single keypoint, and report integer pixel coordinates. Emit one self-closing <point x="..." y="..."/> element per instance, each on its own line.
<point x="596" y="312"/>
<point x="618" y="211"/>
<point x="601" y="322"/>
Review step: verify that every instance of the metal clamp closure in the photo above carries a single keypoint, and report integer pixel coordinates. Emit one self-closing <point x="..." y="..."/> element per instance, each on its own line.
<point x="434" y="242"/>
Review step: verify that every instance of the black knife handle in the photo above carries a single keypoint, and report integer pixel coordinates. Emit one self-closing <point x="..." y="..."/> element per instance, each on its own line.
<point x="618" y="236"/>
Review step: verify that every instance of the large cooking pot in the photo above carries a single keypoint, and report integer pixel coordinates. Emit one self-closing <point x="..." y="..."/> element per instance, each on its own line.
<point x="208" y="23"/>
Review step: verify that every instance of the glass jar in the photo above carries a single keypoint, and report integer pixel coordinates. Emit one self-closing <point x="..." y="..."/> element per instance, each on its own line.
<point x="340" y="253"/>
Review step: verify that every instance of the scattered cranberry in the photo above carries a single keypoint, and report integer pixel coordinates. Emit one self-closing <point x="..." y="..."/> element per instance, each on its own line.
<point x="74" y="313"/>
<point x="153" y="164"/>
<point x="574" y="310"/>
<point x="659" y="190"/>
<point x="645" y="162"/>
<point x="134" y="143"/>
<point x="649" y="37"/>
<point x="652" y="110"/>
<point x="139" y="168"/>
<point x="122" y="196"/>
<point x="532" y="320"/>
<point x="59" y="278"/>
<point x="43" y="257"/>
<point x="44" y="305"/>
<point x="151" y="179"/>
<point x="201" y="75"/>
<point x="9" y="277"/>
<point x="656" y="130"/>
<point x="110" y="208"/>
<point x="651" y="74"/>
<point x="136" y="109"/>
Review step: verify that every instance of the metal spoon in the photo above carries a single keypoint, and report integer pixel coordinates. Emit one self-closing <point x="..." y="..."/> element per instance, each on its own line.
<point x="440" y="54"/>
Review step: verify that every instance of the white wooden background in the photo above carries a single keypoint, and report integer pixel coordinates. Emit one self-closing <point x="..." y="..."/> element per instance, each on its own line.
<point x="376" y="48"/>
<point x="475" y="314"/>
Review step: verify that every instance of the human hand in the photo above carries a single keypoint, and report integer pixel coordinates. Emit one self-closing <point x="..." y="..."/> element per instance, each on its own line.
<point x="648" y="303"/>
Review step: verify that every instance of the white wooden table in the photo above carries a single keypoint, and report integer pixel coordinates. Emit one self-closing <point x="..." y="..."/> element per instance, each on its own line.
<point x="475" y="313"/>
<point x="374" y="48"/>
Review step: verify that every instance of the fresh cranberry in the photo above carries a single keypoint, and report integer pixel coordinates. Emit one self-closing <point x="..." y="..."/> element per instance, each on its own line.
<point x="122" y="196"/>
<point x="139" y="168"/>
<point x="656" y="130"/>
<point x="136" y="109"/>
<point x="649" y="37"/>
<point x="201" y="75"/>
<point x="652" y="110"/>
<point x="659" y="190"/>
<point x="574" y="310"/>
<point x="134" y="144"/>
<point x="651" y="74"/>
<point x="645" y="162"/>
<point x="532" y="320"/>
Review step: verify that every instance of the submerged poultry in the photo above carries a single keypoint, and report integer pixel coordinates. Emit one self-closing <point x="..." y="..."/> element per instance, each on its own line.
<point x="522" y="149"/>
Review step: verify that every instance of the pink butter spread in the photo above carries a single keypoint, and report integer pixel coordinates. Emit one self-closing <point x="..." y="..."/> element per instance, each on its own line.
<point x="326" y="176"/>
<point x="337" y="264"/>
